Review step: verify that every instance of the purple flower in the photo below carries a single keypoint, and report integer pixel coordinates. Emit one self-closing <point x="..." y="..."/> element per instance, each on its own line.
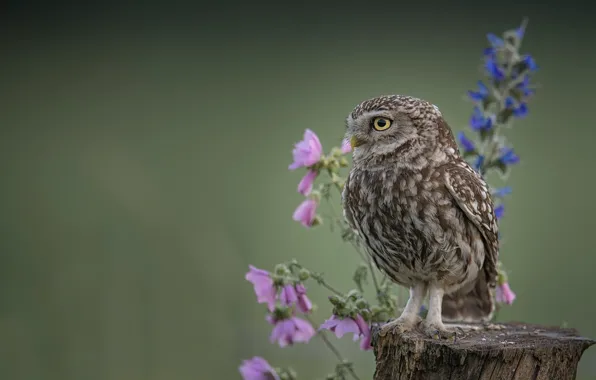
<point x="257" y="368"/>
<point x="523" y="86"/>
<point x="519" y="110"/>
<point x="502" y="191"/>
<point x="479" y="122"/>
<point x="263" y="285"/>
<point x="479" y="95"/>
<point x="295" y="294"/>
<point x="520" y="31"/>
<point x="509" y="102"/>
<point x="303" y="303"/>
<point x="290" y="330"/>
<point x="307" y="152"/>
<point x="306" y="212"/>
<point x="288" y="295"/>
<point x="479" y="162"/>
<point x="529" y="62"/>
<point x="494" y="40"/>
<point x="508" y="157"/>
<point x="499" y="211"/>
<point x="505" y="294"/>
<point x="489" y="52"/>
<point x="305" y="185"/>
<point x="346" y="147"/>
<point x="492" y="67"/>
<point x="465" y="142"/>
<point x="357" y="326"/>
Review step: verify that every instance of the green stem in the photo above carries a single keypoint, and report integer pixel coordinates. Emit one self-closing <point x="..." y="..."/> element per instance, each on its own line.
<point x="319" y="278"/>
<point x="368" y="261"/>
<point x="333" y="349"/>
<point x="357" y="249"/>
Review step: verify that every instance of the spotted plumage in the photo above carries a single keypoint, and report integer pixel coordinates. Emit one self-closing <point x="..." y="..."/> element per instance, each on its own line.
<point x="423" y="214"/>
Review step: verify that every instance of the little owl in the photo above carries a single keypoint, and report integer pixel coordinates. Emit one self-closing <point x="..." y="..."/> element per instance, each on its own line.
<point x="422" y="213"/>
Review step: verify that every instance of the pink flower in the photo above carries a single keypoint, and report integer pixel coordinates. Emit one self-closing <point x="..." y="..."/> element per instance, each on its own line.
<point x="290" y="330"/>
<point x="306" y="212"/>
<point x="505" y="294"/>
<point x="307" y="152"/>
<point x="303" y="303"/>
<point x="263" y="285"/>
<point x="358" y="326"/>
<point x="346" y="147"/>
<point x="288" y="295"/>
<point x="257" y="368"/>
<point x="305" y="185"/>
<point x="295" y="294"/>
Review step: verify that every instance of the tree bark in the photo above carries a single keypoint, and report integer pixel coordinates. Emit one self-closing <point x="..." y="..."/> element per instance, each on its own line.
<point x="511" y="351"/>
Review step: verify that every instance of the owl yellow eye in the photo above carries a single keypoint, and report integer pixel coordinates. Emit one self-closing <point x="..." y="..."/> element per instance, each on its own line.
<point x="381" y="123"/>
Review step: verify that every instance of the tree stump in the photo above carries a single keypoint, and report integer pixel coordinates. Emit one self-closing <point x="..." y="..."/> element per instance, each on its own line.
<point x="510" y="351"/>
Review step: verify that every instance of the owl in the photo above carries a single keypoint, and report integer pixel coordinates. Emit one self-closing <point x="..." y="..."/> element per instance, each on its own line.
<point x="425" y="217"/>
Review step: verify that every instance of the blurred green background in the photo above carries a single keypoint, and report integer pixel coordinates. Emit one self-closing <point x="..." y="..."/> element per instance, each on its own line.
<point x="144" y="152"/>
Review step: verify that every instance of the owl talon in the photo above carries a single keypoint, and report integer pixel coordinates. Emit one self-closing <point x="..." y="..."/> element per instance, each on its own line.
<point x="439" y="332"/>
<point x="399" y="326"/>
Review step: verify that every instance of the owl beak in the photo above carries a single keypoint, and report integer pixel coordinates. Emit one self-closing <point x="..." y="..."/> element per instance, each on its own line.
<point x="354" y="142"/>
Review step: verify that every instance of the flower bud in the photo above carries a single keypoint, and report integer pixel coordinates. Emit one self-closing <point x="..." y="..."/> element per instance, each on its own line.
<point x="317" y="221"/>
<point x="332" y="165"/>
<point x="287" y="374"/>
<point x="365" y="313"/>
<point x="278" y="280"/>
<point x="304" y="274"/>
<point x="336" y="301"/>
<point x="315" y="195"/>
<point x="501" y="278"/>
<point x="281" y="270"/>
<point x="361" y="304"/>
<point x="281" y="312"/>
<point x="353" y="294"/>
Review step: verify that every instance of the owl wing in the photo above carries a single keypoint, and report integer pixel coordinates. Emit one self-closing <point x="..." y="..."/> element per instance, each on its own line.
<point x="473" y="197"/>
<point x="347" y="204"/>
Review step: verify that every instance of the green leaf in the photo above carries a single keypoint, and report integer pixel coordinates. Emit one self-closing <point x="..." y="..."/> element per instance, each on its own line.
<point x="504" y="169"/>
<point x="361" y="276"/>
<point x="467" y="154"/>
<point x="504" y="115"/>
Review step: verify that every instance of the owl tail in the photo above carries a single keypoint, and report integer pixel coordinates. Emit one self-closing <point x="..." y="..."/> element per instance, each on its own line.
<point x="473" y="304"/>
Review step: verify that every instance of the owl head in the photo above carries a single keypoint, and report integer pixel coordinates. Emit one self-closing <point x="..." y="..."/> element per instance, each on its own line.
<point x="397" y="128"/>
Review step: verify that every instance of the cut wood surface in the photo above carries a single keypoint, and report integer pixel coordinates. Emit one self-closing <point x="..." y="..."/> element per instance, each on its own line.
<point x="509" y="351"/>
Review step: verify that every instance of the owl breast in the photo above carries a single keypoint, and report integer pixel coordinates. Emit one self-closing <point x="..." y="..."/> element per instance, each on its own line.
<point x="412" y="228"/>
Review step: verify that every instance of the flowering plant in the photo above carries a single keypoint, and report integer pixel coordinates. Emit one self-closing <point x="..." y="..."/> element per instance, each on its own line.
<point x="500" y="99"/>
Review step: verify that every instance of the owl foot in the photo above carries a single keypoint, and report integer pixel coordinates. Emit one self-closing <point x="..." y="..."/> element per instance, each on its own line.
<point x="438" y="331"/>
<point x="492" y="326"/>
<point x="400" y="326"/>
